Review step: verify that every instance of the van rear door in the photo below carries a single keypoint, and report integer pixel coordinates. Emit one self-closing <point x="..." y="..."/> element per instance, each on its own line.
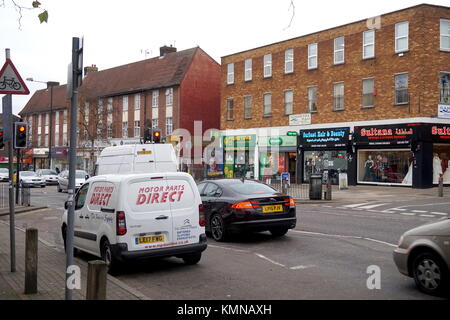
<point x="147" y="212"/>
<point x="144" y="161"/>
<point x="184" y="200"/>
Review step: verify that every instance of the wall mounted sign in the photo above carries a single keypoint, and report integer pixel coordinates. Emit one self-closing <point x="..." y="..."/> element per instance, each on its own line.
<point x="299" y="119"/>
<point x="324" y="138"/>
<point x="281" y="141"/>
<point x="242" y="142"/>
<point x="444" y="111"/>
<point x="396" y="134"/>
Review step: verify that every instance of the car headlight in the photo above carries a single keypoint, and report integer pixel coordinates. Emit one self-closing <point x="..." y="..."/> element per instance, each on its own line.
<point x="400" y="241"/>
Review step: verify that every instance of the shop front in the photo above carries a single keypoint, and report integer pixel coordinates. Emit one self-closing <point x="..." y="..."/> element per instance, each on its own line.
<point x="239" y="156"/>
<point x="438" y="135"/>
<point x="60" y="158"/>
<point x="323" y="150"/>
<point x="40" y="158"/>
<point x="277" y="155"/>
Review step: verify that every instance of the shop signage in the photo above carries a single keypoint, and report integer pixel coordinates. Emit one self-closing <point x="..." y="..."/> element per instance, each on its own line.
<point x="40" y="152"/>
<point x="324" y="138"/>
<point x="60" y="152"/>
<point x="439" y="132"/>
<point x="241" y="142"/>
<point x="299" y="119"/>
<point x="397" y="134"/>
<point x="444" y="111"/>
<point x="292" y="133"/>
<point x="281" y="141"/>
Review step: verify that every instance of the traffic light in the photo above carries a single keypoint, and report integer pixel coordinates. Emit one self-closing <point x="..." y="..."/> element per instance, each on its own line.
<point x="156" y="135"/>
<point x="20" y="135"/>
<point x="2" y="144"/>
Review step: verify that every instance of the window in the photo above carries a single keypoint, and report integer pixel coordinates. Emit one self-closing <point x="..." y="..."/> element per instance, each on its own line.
<point x="401" y="88"/>
<point x="444" y="88"/>
<point x="247" y="107"/>
<point x="230" y="73"/>
<point x="445" y="35"/>
<point x="110" y="105"/>
<point x="109" y="130"/>
<point x="268" y="65"/>
<point x="288" y="102"/>
<point x="338" y="96"/>
<point x="80" y="198"/>
<point x="248" y="70"/>
<point x="125" y="103"/>
<point x="312" y="56"/>
<point x="169" y="126"/>
<point x="401" y="36"/>
<point x="137" y="128"/>
<point x="312" y="99"/>
<point x="230" y="105"/>
<point x="339" y="56"/>
<point x="137" y="101"/>
<point x="289" y="61"/>
<point x="368" y="44"/>
<point x="155" y="123"/>
<point x="267" y="105"/>
<point x="169" y="96"/>
<point x="155" y="97"/>
<point x="100" y="106"/>
<point x="368" y="88"/>
<point x="125" y="129"/>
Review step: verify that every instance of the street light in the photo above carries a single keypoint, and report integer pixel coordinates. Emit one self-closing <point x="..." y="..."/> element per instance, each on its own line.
<point x="50" y="84"/>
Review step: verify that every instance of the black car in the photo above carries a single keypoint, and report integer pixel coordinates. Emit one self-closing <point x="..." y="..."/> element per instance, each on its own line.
<point x="233" y="205"/>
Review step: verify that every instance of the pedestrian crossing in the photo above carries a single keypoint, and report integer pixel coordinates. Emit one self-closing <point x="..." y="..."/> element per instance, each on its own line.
<point x="393" y="208"/>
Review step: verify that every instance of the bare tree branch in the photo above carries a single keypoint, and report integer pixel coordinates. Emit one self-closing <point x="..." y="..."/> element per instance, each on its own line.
<point x="293" y="14"/>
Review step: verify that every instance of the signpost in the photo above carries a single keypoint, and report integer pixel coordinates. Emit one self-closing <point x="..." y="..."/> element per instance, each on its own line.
<point x="10" y="83"/>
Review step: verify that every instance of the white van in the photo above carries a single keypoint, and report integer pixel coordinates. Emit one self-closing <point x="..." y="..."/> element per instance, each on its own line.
<point x="137" y="158"/>
<point x="123" y="217"/>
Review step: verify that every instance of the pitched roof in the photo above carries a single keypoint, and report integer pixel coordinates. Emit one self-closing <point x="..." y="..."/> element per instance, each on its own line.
<point x="157" y="72"/>
<point x="40" y="100"/>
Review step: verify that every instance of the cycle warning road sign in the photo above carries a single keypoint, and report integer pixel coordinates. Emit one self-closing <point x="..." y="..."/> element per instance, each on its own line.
<point x="10" y="80"/>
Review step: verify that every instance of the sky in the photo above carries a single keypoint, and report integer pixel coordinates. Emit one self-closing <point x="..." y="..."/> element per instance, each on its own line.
<point x="118" y="32"/>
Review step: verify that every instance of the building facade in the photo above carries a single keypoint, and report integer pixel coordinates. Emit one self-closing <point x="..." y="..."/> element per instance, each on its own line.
<point x="370" y="99"/>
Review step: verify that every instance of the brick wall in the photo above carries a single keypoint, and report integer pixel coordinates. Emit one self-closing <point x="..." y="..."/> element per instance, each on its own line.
<point x="423" y="62"/>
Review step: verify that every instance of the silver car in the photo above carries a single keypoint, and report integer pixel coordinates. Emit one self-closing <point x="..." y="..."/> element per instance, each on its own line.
<point x="4" y="174"/>
<point x="63" y="179"/>
<point x="31" y="179"/>
<point x="423" y="253"/>
<point x="50" y="176"/>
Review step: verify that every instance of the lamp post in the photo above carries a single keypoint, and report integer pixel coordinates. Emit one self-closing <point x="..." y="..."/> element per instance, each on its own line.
<point x="50" y="85"/>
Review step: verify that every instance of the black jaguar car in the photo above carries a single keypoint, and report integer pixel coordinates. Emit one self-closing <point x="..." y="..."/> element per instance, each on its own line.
<point x="233" y="205"/>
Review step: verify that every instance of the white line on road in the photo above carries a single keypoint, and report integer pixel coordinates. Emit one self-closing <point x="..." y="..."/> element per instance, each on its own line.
<point x="270" y="260"/>
<point x="424" y="205"/>
<point x="343" y="236"/>
<point x="301" y="267"/>
<point x="419" y="211"/>
<point x="398" y="209"/>
<point x="440" y="213"/>
<point x="427" y="215"/>
<point x="355" y="205"/>
<point x="228" y="248"/>
<point x="373" y="206"/>
<point x="407" y="213"/>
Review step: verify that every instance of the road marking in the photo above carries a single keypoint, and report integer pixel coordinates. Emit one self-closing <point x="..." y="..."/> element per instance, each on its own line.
<point x="373" y="206"/>
<point x="398" y="209"/>
<point x="440" y="213"/>
<point x="407" y="213"/>
<point x="427" y="215"/>
<point x="270" y="260"/>
<point x="301" y="267"/>
<point x="424" y="205"/>
<point x="344" y="236"/>
<point x="228" y="248"/>
<point x="355" y="205"/>
<point x="419" y="211"/>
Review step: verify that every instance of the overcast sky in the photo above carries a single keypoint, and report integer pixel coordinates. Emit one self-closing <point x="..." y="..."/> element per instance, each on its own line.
<point x="119" y="32"/>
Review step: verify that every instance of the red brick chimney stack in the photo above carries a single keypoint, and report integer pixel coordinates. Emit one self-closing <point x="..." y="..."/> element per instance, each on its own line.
<point x="165" y="49"/>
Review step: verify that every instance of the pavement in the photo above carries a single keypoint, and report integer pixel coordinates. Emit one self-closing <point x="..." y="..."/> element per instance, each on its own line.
<point x="51" y="273"/>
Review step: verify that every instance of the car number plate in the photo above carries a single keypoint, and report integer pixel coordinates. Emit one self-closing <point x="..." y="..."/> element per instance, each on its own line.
<point x="273" y="208"/>
<point x="150" y="239"/>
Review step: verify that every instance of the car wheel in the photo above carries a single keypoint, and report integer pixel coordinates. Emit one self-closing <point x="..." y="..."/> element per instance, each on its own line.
<point x="430" y="273"/>
<point x="278" y="232"/>
<point x="218" y="230"/>
<point x="192" y="258"/>
<point x="42" y="185"/>
<point x="59" y="188"/>
<point x="111" y="263"/>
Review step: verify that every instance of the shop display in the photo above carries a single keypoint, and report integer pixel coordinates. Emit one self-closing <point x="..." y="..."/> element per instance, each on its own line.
<point x="385" y="166"/>
<point x="437" y="168"/>
<point x="316" y="162"/>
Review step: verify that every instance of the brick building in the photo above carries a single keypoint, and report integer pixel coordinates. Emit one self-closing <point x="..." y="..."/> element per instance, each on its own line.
<point x="370" y="98"/>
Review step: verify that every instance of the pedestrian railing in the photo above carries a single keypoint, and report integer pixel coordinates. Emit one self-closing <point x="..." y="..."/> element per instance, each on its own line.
<point x="4" y="195"/>
<point x="294" y="190"/>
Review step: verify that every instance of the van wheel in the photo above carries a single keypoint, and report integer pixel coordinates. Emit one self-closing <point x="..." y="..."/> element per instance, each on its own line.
<point x="64" y="231"/>
<point x="192" y="258"/>
<point x="59" y="188"/>
<point x="218" y="230"/>
<point x="111" y="263"/>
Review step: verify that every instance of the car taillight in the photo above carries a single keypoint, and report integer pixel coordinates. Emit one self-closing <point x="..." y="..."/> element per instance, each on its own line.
<point x="201" y="215"/>
<point x="290" y="202"/>
<point x="121" y="223"/>
<point x="246" y="205"/>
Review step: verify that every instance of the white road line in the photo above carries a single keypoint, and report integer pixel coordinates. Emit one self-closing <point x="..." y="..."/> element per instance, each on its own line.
<point x="355" y="205"/>
<point x="440" y="213"/>
<point x="427" y="215"/>
<point x="373" y="206"/>
<point x="301" y="267"/>
<point x="424" y="205"/>
<point x="407" y="213"/>
<point x="398" y="209"/>
<point x="419" y="211"/>
<point x="228" y="248"/>
<point x="343" y="236"/>
<point x="270" y="260"/>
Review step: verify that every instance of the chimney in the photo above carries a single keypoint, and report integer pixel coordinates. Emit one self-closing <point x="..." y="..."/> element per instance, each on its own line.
<point x="165" y="50"/>
<point x="92" y="68"/>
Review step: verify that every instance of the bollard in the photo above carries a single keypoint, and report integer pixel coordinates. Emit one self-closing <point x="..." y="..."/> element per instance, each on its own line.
<point x="96" y="280"/>
<point x="441" y="186"/>
<point x="328" y="192"/>
<point x="31" y="260"/>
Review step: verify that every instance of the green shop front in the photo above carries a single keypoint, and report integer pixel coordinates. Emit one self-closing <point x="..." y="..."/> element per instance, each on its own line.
<point x="239" y="156"/>
<point x="277" y="154"/>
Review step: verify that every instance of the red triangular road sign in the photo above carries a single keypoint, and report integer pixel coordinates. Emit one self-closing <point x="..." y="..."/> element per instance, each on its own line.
<point x="10" y="80"/>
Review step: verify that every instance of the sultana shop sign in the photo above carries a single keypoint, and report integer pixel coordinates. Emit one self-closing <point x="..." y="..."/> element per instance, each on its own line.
<point x="398" y="134"/>
<point x="159" y="194"/>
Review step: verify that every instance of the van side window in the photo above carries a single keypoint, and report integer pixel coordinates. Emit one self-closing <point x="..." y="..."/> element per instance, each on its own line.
<point x="80" y="198"/>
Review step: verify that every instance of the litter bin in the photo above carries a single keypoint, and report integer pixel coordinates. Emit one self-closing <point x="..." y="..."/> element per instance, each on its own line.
<point x="315" y="187"/>
<point x="25" y="196"/>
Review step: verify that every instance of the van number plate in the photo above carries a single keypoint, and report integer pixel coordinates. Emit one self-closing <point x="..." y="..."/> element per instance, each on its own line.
<point x="150" y="239"/>
<point x="274" y="208"/>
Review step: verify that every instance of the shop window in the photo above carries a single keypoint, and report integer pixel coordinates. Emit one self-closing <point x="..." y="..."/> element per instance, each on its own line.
<point x="401" y="89"/>
<point x="441" y="163"/>
<point x="444" y="88"/>
<point x="385" y="166"/>
<point x="335" y="161"/>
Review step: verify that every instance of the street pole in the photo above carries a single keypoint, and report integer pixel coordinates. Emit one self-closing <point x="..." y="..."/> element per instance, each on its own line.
<point x="51" y="128"/>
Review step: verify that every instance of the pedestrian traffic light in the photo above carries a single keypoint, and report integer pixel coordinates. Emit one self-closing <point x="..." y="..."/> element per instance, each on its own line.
<point x="2" y="143"/>
<point x="156" y="135"/>
<point x="20" y="135"/>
